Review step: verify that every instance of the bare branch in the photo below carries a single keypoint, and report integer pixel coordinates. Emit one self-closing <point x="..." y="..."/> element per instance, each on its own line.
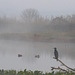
<point x="65" y="65"/>
<point x="59" y="69"/>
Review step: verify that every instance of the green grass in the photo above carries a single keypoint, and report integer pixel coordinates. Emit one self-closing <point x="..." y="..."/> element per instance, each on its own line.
<point x="25" y="72"/>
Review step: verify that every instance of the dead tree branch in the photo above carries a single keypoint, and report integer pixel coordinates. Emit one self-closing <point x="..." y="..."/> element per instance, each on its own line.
<point x="59" y="69"/>
<point x="65" y="65"/>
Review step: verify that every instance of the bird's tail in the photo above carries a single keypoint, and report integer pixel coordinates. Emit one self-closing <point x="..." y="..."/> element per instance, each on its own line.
<point x="57" y="59"/>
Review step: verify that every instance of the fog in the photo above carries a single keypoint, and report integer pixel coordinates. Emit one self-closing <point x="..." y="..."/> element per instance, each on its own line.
<point x="32" y="37"/>
<point x="59" y="29"/>
<point x="46" y="7"/>
<point x="35" y="27"/>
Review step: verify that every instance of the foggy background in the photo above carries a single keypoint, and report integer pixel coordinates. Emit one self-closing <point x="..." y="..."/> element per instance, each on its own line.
<point x="46" y="7"/>
<point x="34" y="28"/>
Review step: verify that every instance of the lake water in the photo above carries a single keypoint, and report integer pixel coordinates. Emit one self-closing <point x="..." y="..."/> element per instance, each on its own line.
<point x="9" y="50"/>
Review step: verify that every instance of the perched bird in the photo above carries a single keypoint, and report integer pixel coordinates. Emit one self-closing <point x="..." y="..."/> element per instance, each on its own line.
<point x="56" y="53"/>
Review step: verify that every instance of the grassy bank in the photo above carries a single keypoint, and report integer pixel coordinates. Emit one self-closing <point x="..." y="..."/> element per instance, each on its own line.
<point x="25" y="72"/>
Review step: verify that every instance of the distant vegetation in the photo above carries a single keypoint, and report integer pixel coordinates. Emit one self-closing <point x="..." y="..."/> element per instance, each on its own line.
<point x="25" y="72"/>
<point x="33" y="25"/>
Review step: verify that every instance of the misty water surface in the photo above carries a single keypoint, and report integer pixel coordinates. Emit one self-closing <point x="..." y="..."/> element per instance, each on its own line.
<point x="9" y="50"/>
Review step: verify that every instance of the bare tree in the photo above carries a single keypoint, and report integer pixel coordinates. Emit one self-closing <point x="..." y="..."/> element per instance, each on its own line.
<point x="30" y="15"/>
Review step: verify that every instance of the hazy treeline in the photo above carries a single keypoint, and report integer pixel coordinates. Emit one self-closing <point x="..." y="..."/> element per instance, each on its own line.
<point x="37" y="18"/>
<point x="32" y="16"/>
<point x="31" y="21"/>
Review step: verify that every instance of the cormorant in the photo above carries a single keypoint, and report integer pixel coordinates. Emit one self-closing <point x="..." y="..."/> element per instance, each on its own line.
<point x="56" y="53"/>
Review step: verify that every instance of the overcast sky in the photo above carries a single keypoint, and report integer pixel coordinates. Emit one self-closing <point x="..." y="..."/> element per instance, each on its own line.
<point x="45" y="7"/>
